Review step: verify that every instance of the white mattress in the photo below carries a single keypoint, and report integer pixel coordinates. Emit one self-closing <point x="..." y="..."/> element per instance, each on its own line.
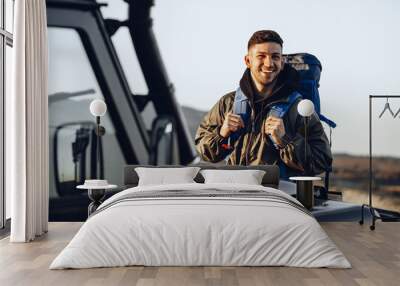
<point x="185" y="231"/>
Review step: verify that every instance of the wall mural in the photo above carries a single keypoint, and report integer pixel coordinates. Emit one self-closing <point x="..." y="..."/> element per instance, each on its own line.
<point x="158" y="93"/>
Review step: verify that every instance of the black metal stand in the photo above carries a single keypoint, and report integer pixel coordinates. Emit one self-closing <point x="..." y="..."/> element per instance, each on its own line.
<point x="374" y="213"/>
<point x="96" y="196"/>
<point x="374" y="217"/>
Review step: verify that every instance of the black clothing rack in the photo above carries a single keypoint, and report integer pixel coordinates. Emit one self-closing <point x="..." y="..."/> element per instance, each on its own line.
<point x="376" y="213"/>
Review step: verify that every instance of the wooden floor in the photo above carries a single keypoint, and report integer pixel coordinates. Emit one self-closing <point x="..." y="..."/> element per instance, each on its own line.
<point x="374" y="255"/>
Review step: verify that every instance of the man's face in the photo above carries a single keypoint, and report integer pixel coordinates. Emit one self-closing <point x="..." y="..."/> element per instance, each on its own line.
<point x="265" y="61"/>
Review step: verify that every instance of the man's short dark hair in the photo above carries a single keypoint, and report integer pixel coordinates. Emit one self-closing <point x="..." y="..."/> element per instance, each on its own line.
<point x="264" y="36"/>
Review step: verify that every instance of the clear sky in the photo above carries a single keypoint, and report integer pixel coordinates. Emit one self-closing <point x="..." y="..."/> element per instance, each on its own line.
<point x="203" y="44"/>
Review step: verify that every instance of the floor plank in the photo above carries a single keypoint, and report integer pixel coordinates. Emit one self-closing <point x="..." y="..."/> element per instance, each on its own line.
<point x="374" y="255"/>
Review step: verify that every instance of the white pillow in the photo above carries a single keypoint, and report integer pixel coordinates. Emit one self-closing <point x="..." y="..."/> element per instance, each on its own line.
<point x="162" y="176"/>
<point x="248" y="177"/>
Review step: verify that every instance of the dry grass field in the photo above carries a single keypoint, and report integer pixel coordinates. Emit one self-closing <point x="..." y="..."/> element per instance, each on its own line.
<point x="351" y="177"/>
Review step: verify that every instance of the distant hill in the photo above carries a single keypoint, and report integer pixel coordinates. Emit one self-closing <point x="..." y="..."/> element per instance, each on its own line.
<point x="356" y="168"/>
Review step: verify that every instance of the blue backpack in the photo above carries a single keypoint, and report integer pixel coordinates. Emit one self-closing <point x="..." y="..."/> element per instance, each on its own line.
<point x="309" y="69"/>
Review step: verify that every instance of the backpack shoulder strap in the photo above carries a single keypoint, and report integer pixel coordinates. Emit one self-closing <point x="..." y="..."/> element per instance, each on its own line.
<point x="241" y="107"/>
<point x="240" y="102"/>
<point x="280" y="109"/>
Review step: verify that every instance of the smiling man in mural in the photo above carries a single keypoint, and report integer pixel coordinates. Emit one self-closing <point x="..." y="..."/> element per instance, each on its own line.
<point x="259" y="123"/>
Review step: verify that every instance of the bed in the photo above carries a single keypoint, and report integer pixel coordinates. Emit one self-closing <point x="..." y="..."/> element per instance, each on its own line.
<point x="201" y="224"/>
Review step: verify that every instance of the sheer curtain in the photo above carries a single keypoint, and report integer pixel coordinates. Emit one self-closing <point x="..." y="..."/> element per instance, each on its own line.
<point x="26" y="124"/>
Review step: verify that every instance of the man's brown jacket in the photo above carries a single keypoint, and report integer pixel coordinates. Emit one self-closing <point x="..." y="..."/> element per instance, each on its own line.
<point x="254" y="147"/>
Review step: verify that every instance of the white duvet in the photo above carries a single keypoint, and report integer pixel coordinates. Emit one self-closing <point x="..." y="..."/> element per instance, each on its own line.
<point x="185" y="231"/>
